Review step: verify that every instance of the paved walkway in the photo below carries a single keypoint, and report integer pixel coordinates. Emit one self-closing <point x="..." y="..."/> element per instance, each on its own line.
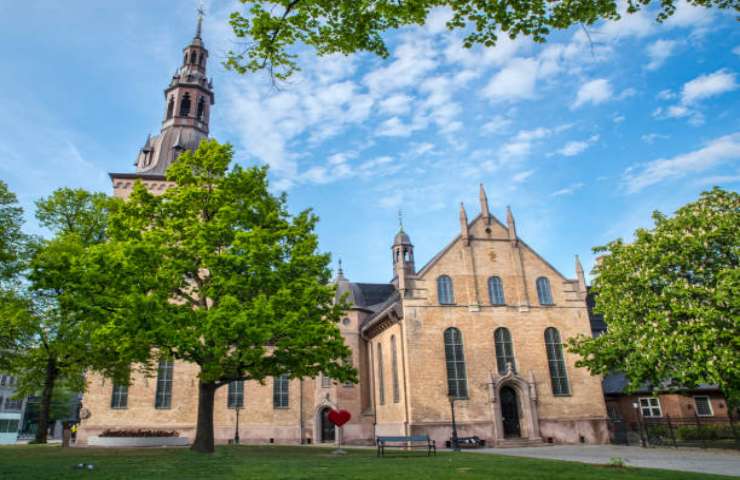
<point x="684" y="459"/>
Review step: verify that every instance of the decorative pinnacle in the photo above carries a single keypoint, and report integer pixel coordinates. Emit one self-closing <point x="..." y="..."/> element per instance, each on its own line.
<point x="341" y="272"/>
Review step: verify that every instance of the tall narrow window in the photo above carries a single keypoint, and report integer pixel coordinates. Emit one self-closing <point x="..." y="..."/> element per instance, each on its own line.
<point x="235" y="397"/>
<point x="703" y="406"/>
<point x="394" y="368"/>
<point x="325" y="381"/>
<point x="496" y="291"/>
<point x="163" y="398"/>
<point x="170" y="108"/>
<point x="504" y="350"/>
<point x="185" y="105"/>
<point x="280" y="386"/>
<point x="119" y="397"/>
<point x="556" y="361"/>
<point x="456" y="380"/>
<point x="201" y="107"/>
<point x="444" y="290"/>
<point x="381" y="380"/>
<point x="543" y="291"/>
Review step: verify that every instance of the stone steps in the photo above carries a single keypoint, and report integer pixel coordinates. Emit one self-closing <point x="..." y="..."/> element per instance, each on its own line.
<point x="520" y="443"/>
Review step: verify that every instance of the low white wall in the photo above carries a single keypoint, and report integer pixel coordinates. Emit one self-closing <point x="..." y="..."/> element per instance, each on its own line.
<point x="137" y="441"/>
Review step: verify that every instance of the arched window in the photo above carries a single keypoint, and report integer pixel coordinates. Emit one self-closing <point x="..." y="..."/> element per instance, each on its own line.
<point x="381" y="380"/>
<point x="556" y="361"/>
<point x="496" y="291"/>
<point x="504" y="350"/>
<point x="444" y="290"/>
<point x="543" y="291"/>
<point x="456" y="380"/>
<point x="185" y="58"/>
<point x="185" y="105"/>
<point x="193" y="57"/>
<point x="394" y="371"/>
<point x="201" y="108"/>
<point x="170" y="108"/>
<point x="202" y="59"/>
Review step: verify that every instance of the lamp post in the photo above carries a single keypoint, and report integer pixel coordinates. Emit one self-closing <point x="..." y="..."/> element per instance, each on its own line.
<point x="236" y="433"/>
<point x="455" y="443"/>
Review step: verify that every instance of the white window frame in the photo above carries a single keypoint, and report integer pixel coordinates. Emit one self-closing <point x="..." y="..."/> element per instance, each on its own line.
<point x="709" y="404"/>
<point x="650" y="407"/>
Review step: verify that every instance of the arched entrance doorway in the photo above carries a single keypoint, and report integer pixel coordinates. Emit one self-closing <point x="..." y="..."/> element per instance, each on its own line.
<point x="510" y="412"/>
<point x="327" y="429"/>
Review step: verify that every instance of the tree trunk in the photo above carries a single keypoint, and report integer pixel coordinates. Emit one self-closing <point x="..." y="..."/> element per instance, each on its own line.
<point x="45" y="407"/>
<point x="204" y="430"/>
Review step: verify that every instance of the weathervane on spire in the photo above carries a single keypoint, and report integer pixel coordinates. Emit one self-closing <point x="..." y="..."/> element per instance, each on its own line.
<point x="400" y="219"/>
<point x="201" y="13"/>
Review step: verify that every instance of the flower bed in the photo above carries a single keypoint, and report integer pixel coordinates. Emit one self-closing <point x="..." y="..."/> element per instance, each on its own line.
<point x="138" y="438"/>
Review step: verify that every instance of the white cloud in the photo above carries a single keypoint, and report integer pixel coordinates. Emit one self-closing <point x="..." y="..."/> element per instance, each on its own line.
<point x="522" y="176"/>
<point x="413" y="59"/>
<point x="708" y="85"/>
<point x="498" y="124"/>
<point x="702" y="87"/>
<point x="573" y="148"/>
<point x="396" y="104"/>
<point x="658" y="52"/>
<point x="666" y="94"/>
<point x="395" y="127"/>
<point x="618" y="118"/>
<point x="594" y="92"/>
<point x="516" y="81"/>
<point x="736" y="50"/>
<point x="652" y="137"/>
<point x="569" y="190"/>
<point x="715" y="152"/>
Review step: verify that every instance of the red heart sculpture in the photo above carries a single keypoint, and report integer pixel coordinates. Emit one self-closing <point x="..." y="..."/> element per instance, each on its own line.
<point x="339" y="417"/>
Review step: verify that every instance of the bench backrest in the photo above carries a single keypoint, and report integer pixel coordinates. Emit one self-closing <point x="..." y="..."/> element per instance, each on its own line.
<point x="411" y="438"/>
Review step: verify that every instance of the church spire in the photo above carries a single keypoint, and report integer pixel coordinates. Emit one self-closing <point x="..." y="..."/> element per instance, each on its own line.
<point x="201" y="14"/>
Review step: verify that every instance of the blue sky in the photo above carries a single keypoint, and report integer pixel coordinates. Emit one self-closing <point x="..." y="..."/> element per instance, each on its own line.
<point x="584" y="139"/>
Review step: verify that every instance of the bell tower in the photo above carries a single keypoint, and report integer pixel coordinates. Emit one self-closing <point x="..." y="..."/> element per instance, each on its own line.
<point x="187" y="111"/>
<point x="189" y="96"/>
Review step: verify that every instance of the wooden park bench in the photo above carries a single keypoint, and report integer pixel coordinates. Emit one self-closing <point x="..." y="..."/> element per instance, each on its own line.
<point x="409" y="442"/>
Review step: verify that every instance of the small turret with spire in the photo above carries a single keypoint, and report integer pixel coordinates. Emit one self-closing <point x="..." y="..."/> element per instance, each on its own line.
<point x="403" y="258"/>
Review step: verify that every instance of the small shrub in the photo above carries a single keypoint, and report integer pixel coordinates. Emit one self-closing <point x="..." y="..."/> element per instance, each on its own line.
<point x="139" y="433"/>
<point x="617" y="462"/>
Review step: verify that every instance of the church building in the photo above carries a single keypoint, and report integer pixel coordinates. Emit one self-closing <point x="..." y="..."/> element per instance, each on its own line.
<point x="480" y="328"/>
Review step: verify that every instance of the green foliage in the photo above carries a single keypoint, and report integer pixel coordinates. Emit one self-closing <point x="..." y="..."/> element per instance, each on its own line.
<point x="12" y="239"/>
<point x="49" y="339"/>
<point x="215" y="271"/>
<point x="671" y="300"/>
<point x="349" y="26"/>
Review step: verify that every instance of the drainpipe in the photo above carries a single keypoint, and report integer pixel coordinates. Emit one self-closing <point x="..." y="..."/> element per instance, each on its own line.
<point x="405" y="382"/>
<point x="301" y="427"/>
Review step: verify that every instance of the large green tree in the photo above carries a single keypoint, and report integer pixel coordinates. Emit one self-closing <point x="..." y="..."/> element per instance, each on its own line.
<point x="12" y="239"/>
<point x="671" y="300"/>
<point x="272" y="28"/>
<point x="49" y="337"/>
<point x="216" y="272"/>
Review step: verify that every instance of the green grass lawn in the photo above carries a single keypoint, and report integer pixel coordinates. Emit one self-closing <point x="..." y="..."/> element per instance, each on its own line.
<point x="257" y="462"/>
